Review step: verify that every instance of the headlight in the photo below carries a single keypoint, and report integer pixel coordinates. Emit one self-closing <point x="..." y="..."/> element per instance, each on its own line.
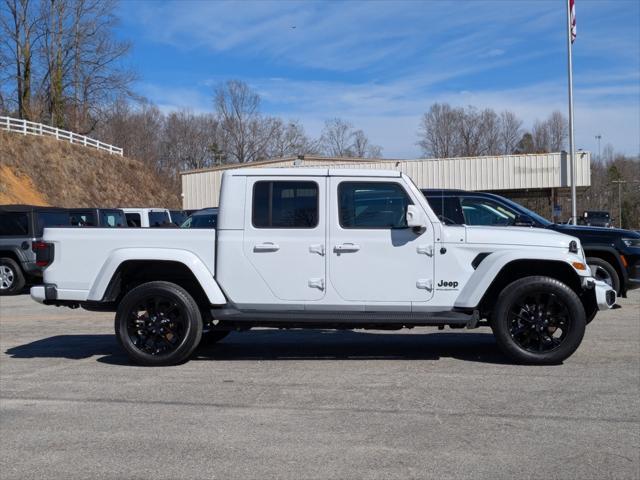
<point x="631" y="242"/>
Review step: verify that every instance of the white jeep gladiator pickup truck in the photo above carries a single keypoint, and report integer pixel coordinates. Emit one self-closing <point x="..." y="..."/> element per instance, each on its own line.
<point x="324" y="248"/>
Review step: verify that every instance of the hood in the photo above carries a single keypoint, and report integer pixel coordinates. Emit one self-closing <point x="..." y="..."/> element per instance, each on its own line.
<point x="599" y="231"/>
<point x="535" y="237"/>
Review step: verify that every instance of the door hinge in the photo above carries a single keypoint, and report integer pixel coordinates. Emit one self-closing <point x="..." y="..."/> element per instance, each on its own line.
<point x="317" y="248"/>
<point x="316" y="283"/>
<point x="425" y="250"/>
<point x="425" y="284"/>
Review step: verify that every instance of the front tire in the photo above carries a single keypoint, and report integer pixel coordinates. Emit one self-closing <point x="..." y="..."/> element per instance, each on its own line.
<point x="604" y="271"/>
<point x="158" y="324"/>
<point x="538" y="320"/>
<point x="12" y="279"/>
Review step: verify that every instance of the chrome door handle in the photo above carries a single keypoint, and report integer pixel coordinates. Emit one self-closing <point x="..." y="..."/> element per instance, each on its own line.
<point x="346" y="247"/>
<point x="266" y="247"/>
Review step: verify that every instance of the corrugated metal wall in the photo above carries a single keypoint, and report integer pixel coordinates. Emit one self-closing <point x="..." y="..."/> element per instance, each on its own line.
<point x="201" y="189"/>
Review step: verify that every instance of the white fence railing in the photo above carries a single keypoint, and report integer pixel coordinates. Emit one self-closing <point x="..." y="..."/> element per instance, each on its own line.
<point x="32" y="128"/>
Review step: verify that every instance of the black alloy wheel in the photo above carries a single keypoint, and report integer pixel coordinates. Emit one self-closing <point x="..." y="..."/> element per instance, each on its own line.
<point x="158" y="324"/>
<point x="538" y="320"/>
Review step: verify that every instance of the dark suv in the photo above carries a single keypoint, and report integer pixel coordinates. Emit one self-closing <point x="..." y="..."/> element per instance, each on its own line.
<point x="21" y="228"/>
<point x="613" y="254"/>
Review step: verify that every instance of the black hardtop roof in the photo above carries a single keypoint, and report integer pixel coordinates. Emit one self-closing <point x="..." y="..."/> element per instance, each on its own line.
<point x="22" y="208"/>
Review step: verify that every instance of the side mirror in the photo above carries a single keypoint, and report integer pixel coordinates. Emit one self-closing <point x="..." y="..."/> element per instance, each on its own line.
<point x="524" y="221"/>
<point x="416" y="218"/>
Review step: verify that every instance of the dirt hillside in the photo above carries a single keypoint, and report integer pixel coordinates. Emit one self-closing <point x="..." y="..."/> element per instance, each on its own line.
<point x="45" y="171"/>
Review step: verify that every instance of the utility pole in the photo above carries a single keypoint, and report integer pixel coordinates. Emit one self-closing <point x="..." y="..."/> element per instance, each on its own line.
<point x="572" y="153"/>
<point x="598" y="138"/>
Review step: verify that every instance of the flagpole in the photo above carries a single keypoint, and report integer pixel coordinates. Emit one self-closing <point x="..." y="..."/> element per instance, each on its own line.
<point x="572" y="153"/>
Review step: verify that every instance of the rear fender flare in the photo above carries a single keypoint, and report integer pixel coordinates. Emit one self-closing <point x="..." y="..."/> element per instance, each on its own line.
<point x="188" y="259"/>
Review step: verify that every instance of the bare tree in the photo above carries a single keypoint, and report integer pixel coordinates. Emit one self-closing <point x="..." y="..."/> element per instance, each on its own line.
<point x="340" y="139"/>
<point x="189" y="141"/>
<point x="363" y="148"/>
<point x="470" y="132"/>
<point x="439" y="131"/>
<point x="83" y="71"/>
<point x="18" y="20"/>
<point x="490" y="130"/>
<point x="336" y="138"/>
<point x="510" y="132"/>
<point x="541" y="137"/>
<point x="558" y="131"/>
<point x="288" y="139"/>
<point x="246" y="132"/>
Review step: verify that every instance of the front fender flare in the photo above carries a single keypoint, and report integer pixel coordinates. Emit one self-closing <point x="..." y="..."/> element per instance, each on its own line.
<point x="491" y="266"/>
<point x="188" y="259"/>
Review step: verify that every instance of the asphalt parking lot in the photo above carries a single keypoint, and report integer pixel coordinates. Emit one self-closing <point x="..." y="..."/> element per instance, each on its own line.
<point x="314" y="404"/>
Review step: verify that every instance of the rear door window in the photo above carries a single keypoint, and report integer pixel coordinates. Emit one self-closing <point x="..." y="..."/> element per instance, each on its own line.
<point x="14" y="224"/>
<point x="133" y="220"/>
<point x="285" y="204"/>
<point x="158" y="219"/>
<point x="82" y="219"/>
<point x="112" y="218"/>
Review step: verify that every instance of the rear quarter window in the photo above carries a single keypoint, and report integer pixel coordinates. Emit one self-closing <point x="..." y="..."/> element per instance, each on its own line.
<point x="52" y="219"/>
<point x="14" y="224"/>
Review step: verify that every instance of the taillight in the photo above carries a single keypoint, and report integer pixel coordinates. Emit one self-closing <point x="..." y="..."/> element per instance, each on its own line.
<point x="44" y="253"/>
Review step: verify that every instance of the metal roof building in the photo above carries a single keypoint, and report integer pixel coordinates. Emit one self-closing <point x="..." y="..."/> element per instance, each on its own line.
<point x="543" y="173"/>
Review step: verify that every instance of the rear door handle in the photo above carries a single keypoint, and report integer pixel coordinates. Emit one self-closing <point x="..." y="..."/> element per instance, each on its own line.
<point x="346" y="247"/>
<point x="266" y="247"/>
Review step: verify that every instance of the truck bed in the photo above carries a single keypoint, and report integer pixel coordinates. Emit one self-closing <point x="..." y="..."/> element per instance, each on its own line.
<point x="82" y="255"/>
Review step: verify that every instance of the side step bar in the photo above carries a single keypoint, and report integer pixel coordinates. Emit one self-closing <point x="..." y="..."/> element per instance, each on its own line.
<point x="276" y="318"/>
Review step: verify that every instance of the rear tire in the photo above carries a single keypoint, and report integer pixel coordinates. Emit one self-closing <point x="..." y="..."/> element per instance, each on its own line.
<point x="538" y="321"/>
<point x="12" y="279"/>
<point x="603" y="270"/>
<point x="158" y="324"/>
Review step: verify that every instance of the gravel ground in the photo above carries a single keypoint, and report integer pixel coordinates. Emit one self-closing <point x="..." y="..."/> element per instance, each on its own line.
<point x="314" y="404"/>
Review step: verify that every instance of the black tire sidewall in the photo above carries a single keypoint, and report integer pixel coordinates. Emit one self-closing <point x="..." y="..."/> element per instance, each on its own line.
<point x="501" y="328"/>
<point x="18" y="277"/>
<point x="190" y="309"/>
<point x="615" y="278"/>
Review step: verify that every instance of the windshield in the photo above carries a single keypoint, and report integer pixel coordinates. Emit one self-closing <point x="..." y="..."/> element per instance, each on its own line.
<point x="525" y="211"/>
<point x="178" y="217"/>
<point x="202" y="220"/>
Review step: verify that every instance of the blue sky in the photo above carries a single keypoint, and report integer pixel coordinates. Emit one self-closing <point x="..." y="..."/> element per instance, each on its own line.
<point x="382" y="64"/>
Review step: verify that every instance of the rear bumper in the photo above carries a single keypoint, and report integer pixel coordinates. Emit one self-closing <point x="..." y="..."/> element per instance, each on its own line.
<point x="44" y="293"/>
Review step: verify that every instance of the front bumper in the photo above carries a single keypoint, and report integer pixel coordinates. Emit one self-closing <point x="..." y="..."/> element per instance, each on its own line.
<point x="605" y="296"/>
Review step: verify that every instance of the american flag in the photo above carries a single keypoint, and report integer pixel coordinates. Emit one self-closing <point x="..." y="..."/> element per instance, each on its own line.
<point x="572" y="9"/>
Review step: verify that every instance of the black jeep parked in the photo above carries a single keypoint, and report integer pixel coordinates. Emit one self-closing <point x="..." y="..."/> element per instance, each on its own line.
<point x="613" y="254"/>
<point x="21" y="228"/>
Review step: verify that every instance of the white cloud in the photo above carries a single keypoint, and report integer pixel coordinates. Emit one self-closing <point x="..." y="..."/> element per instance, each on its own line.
<point x="389" y="61"/>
